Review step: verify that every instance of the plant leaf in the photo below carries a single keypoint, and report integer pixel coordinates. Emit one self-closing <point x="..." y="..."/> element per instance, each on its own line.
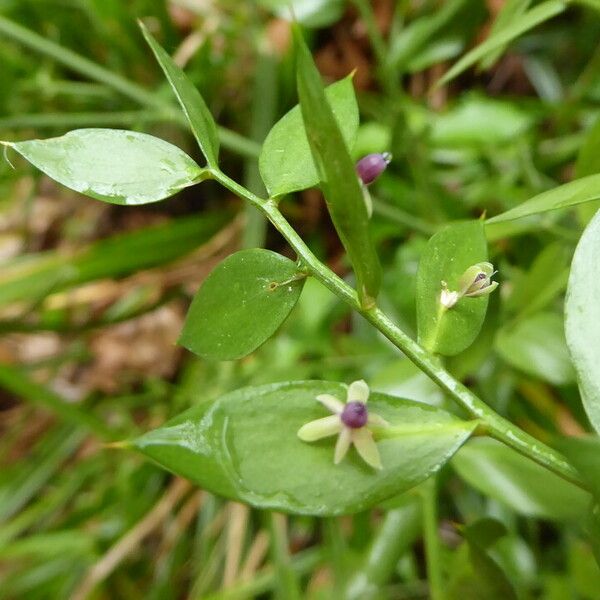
<point x="201" y="121"/>
<point x="117" y="166"/>
<point x="536" y="346"/>
<point x="446" y="257"/>
<point x="575" y="192"/>
<point x="584" y="454"/>
<point x="337" y="174"/>
<point x="286" y="163"/>
<point x="511" y="12"/>
<point x="529" y="489"/>
<point x="542" y="12"/>
<point x="473" y="572"/>
<point x="241" y="304"/>
<point x="582" y="325"/>
<point x="245" y="446"/>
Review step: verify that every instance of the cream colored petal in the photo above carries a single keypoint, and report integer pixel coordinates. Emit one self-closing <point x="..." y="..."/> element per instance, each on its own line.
<point x="377" y="421"/>
<point x="366" y="447"/>
<point x="315" y="430"/>
<point x="342" y="445"/>
<point x="332" y="403"/>
<point x="358" y="390"/>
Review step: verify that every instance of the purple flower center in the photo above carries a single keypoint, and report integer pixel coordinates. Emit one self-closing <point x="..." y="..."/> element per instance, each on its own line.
<point x="355" y="414"/>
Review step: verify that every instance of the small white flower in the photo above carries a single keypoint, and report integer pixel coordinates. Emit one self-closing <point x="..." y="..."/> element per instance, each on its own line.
<point x="351" y="421"/>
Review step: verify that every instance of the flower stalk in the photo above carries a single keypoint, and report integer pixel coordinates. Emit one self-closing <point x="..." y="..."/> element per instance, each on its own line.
<point x="495" y="425"/>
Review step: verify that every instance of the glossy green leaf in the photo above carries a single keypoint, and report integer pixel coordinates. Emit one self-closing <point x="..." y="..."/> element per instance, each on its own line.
<point x="529" y="489"/>
<point x="540" y="13"/>
<point x="582" y="322"/>
<point x="536" y="345"/>
<point x="286" y="163"/>
<point x="448" y="254"/>
<point x="193" y="105"/>
<point x="576" y="192"/>
<point x="337" y="174"/>
<point x="117" y="166"/>
<point x="245" y="446"/>
<point x="241" y="304"/>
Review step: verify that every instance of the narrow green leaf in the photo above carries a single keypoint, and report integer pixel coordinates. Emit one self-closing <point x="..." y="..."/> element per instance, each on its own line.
<point x="31" y="277"/>
<point x="582" y="325"/>
<point x="245" y="446"/>
<point x="539" y="14"/>
<point x="117" y="166"/>
<point x="241" y="304"/>
<point x="588" y="163"/>
<point x="337" y="174"/>
<point x="447" y="256"/>
<point x="575" y="192"/>
<point x="192" y="103"/>
<point x="536" y="346"/>
<point x="286" y="163"/>
<point x="501" y="473"/>
<point x="422" y="33"/>
<point x="511" y="11"/>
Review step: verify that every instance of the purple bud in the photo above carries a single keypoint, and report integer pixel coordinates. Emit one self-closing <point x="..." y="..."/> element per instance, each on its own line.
<point x="355" y="414"/>
<point x="371" y="166"/>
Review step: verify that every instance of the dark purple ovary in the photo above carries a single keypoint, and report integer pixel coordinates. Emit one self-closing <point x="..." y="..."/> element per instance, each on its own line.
<point x="355" y="415"/>
<point x="371" y="166"/>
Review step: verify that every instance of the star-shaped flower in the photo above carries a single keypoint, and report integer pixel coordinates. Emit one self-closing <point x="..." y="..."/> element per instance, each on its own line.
<point x="351" y="421"/>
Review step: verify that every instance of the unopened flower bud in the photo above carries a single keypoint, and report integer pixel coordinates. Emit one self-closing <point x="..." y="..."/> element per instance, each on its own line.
<point x="371" y="166"/>
<point x="476" y="280"/>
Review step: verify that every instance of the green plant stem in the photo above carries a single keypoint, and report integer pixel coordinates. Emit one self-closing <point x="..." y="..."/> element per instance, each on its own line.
<point x="492" y="423"/>
<point x="88" y="68"/>
<point x="432" y="540"/>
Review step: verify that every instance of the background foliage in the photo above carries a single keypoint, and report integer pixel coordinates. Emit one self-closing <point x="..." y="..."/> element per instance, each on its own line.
<point x="92" y="297"/>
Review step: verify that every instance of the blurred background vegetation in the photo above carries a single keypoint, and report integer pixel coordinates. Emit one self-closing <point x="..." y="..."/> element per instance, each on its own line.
<point x="92" y="296"/>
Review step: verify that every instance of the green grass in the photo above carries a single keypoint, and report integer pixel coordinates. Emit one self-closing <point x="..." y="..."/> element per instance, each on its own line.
<point x="80" y="516"/>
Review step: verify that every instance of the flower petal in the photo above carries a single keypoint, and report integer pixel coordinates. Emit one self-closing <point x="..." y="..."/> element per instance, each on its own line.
<point x="488" y="289"/>
<point x="342" y="445"/>
<point x="377" y="421"/>
<point x="366" y="447"/>
<point x="320" y="428"/>
<point x="332" y="403"/>
<point x="358" y="391"/>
